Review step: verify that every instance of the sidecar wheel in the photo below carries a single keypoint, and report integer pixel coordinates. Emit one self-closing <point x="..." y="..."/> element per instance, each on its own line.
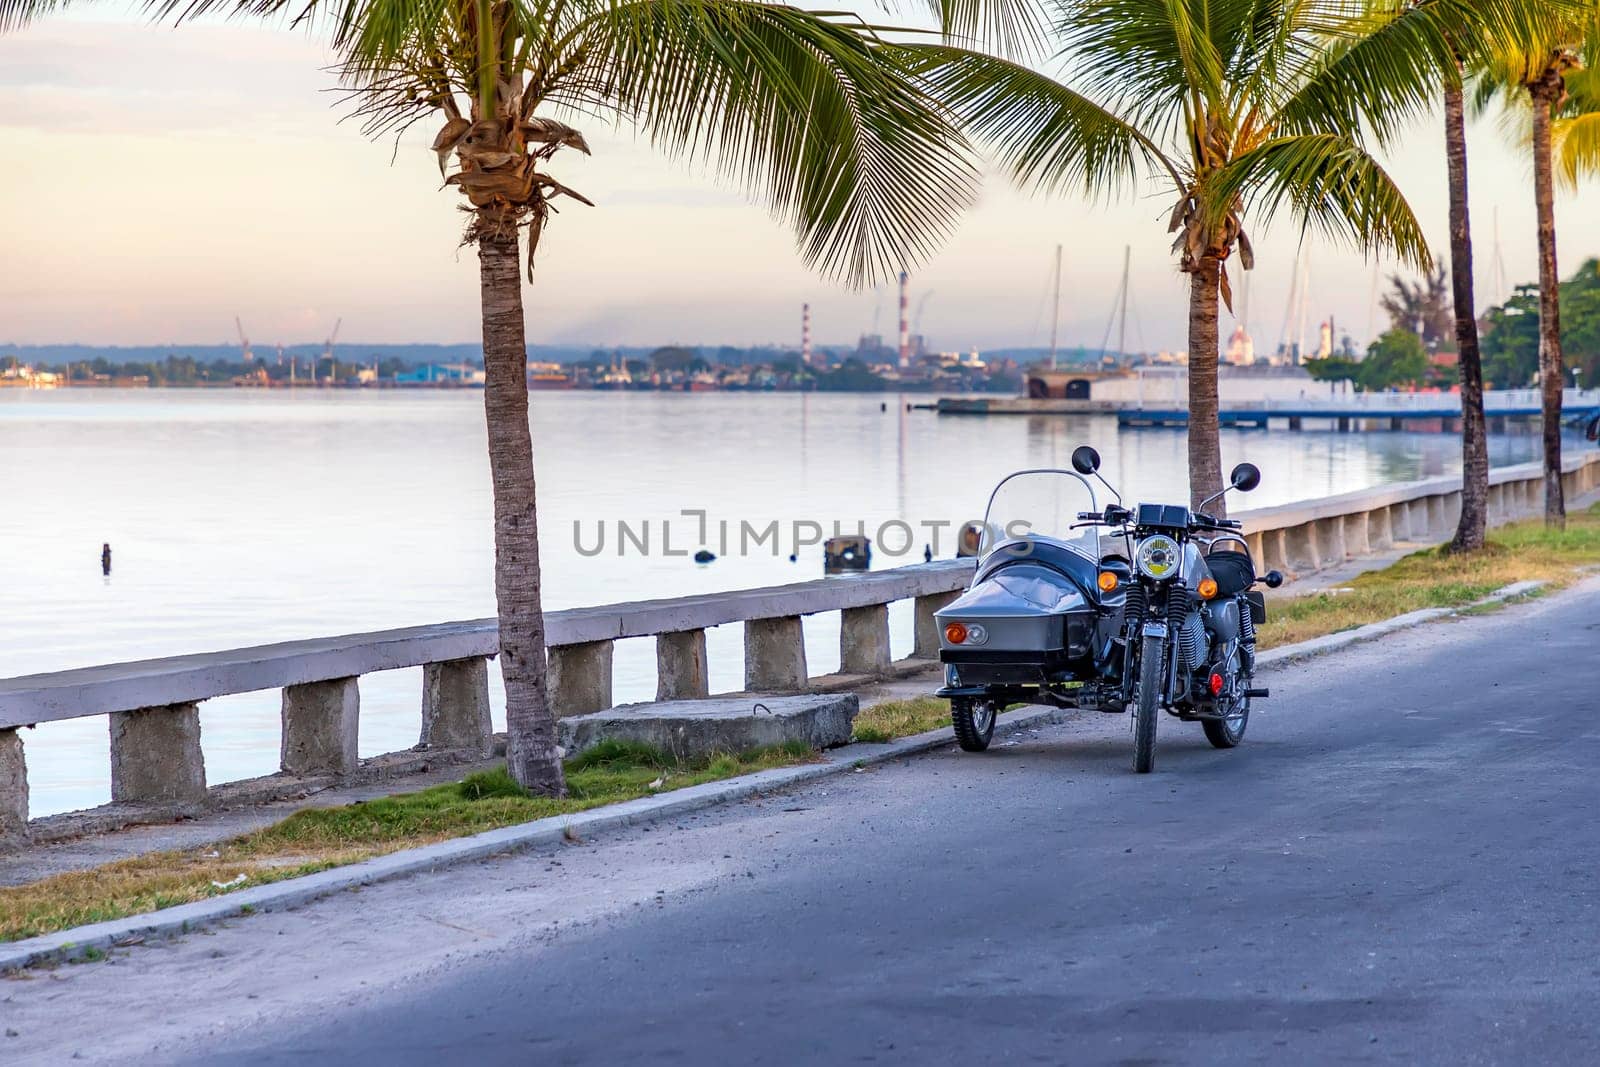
<point x="974" y="723"/>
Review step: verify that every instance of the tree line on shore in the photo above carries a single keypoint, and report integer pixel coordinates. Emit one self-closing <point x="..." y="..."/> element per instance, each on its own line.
<point x="871" y="143"/>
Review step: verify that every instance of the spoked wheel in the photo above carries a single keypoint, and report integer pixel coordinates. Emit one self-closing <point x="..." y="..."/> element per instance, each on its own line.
<point x="1147" y="703"/>
<point x="974" y="723"/>
<point x="1228" y="731"/>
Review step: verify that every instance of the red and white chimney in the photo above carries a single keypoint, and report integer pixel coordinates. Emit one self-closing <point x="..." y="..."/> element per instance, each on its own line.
<point x="805" y="334"/>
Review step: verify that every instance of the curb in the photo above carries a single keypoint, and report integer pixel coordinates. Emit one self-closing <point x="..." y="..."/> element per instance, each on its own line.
<point x="186" y="918"/>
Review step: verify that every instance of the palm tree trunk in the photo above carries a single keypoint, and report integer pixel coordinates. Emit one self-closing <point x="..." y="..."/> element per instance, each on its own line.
<point x="1552" y="369"/>
<point x="1470" y="531"/>
<point x="1205" y="445"/>
<point x="530" y="727"/>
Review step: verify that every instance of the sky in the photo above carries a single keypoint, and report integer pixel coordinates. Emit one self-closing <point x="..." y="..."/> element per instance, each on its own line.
<point x="156" y="182"/>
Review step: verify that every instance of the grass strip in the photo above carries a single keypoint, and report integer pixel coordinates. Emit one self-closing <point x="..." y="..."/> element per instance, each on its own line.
<point x="316" y="839"/>
<point x="1434" y="578"/>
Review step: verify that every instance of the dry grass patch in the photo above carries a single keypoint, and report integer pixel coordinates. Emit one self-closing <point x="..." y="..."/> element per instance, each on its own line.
<point x="316" y="839"/>
<point x="1522" y="551"/>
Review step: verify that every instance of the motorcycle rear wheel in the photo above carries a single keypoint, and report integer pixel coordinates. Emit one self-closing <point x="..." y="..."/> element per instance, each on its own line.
<point x="1147" y="703"/>
<point x="974" y="723"/>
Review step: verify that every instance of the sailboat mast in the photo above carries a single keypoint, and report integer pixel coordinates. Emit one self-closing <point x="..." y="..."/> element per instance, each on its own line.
<point x="1122" y="327"/>
<point x="1055" y="314"/>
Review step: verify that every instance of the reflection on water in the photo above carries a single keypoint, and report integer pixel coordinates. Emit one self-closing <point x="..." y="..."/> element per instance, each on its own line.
<point x="239" y="517"/>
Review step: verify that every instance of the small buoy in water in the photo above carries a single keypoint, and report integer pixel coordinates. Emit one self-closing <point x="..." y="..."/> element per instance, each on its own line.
<point x="883" y="407"/>
<point x="704" y="556"/>
<point x="793" y="558"/>
<point x="105" y="560"/>
<point x="927" y="553"/>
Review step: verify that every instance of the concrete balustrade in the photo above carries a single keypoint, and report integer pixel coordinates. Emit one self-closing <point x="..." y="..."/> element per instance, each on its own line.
<point x="153" y="706"/>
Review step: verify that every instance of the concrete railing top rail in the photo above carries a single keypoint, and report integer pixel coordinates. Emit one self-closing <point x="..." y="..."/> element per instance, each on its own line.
<point x="87" y="691"/>
<point x="1496" y="401"/>
<point x="1283" y="516"/>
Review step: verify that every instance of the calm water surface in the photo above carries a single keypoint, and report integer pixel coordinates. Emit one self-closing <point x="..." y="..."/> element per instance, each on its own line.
<point x="243" y="517"/>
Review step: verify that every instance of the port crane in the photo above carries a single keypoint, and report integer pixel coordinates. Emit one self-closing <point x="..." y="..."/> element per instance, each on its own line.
<point x="327" y="350"/>
<point x="244" y="342"/>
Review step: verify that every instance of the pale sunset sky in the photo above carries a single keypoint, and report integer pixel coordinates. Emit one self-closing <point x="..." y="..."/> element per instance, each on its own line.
<point x="156" y="182"/>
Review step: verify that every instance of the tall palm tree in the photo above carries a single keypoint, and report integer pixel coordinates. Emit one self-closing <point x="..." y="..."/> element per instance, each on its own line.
<point x="815" y="114"/>
<point x="1576" y="134"/>
<point x="1237" y="109"/>
<point x="1538" y="18"/>
<point x="1534" y="74"/>
<point x="1243" y="104"/>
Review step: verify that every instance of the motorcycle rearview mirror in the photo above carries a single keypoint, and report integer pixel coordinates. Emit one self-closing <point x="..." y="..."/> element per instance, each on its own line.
<point x="1245" y="477"/>
<point x="1086" y="461"/>
<point x="1272" y="579"/>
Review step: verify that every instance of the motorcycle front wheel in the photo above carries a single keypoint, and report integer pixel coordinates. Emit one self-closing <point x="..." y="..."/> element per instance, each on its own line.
<point x="974" y="723"/>
<point x="1147" y="703"/>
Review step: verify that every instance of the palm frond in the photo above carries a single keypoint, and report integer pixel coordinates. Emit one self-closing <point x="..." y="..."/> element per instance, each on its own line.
<point x="1143" y="59"/>
<point x="1013" y="27"/>
<point x="1334" y="187"/>
<point x="1575" y="145"/>
<point x="15" y="14"/>
<point x="815" y="115"/>
<point x="1048" y="136"/>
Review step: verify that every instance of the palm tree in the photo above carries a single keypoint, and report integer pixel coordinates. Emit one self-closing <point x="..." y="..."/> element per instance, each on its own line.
<point x="816" y="114"/>
<point x="1535" y="73"/>
<point x="1237" y="110"/>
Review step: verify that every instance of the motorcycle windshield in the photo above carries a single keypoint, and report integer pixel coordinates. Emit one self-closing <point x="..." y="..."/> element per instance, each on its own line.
<point x="1042" y="503"/>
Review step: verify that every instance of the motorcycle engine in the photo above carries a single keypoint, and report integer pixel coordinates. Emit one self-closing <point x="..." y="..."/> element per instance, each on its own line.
<point x="1192" y="642"/>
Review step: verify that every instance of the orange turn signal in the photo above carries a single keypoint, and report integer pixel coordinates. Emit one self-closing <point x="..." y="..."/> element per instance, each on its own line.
<point x="1108" y="582"/>
<point x="1208" y="588"/>
<point x="955" y="633"/>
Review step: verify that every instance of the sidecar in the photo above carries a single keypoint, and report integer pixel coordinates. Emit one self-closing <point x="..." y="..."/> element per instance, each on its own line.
<point x="1042" y="620"/>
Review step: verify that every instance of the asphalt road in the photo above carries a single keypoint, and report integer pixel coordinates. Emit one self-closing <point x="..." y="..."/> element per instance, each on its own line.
<point x="1398" y="865"/>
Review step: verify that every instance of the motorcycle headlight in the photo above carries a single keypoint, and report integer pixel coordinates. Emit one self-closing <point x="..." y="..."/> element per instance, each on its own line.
<point x="1158" y="557"/>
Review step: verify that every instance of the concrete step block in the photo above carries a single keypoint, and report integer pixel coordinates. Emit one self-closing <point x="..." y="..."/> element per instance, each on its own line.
<point x="693" y="728"/>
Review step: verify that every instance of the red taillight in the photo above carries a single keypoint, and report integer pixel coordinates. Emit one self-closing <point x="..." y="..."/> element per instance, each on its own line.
<point x="1216" y="685"/>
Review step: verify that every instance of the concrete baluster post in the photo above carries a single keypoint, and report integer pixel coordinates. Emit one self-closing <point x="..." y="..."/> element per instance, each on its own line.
<point x="927" y="627"/>
<point x="864" y="640"/>
<point x="775" y="655"/>
<point x="1498" y="512"/>
<point x="681" y="672"/>
<point x="580" y="678"/>
<point x="13" y="790"/>
<point x="1276" y="556"/>
<point x="321" y="721"/>
<point x="455" y="705"/>
<point x="1399" y="523"/>
<point x="156" y="757"/>
<point x="1380" y="530"/>
<point x="1303" y="547"/>
<point x="1452" y="514"/>
<point x="1330" y="538"/>
<point x="1436" y="520"/>
<point x="1357" y="531"/>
